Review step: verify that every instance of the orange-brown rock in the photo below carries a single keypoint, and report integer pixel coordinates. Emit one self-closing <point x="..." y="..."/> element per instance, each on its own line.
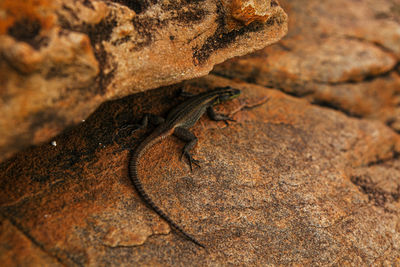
<point x="287" y="183"/>
<point x="307" y="175"/>
<point x="340" y="54"/>
<point x="59" y="60"/>
<point x="248" y="11"/>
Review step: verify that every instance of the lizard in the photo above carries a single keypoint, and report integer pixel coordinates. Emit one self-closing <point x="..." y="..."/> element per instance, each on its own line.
<point x="177" y="123"/>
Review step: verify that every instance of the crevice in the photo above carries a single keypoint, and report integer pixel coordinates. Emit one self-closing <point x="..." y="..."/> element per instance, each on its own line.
<point x="395" y="156"/>
<point x="366" y="78"/>
<point x="390" y="122"/>
<point x="377" y="44"/>
<point x="298" y="94"/>
<point x="317" y="102"/>
<point x="33" y="240"/>
<point x="332" y="105"/>
<point x="378" y="196"/>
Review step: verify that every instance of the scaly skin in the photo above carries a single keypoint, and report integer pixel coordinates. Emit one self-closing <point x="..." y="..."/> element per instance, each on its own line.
<point x="178" y="121"/>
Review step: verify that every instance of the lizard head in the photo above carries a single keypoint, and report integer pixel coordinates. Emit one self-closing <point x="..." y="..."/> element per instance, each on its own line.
<point x="225" y="94"/>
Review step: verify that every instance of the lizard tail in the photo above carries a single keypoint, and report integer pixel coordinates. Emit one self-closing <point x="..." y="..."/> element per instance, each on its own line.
<point x="134" y="159"/>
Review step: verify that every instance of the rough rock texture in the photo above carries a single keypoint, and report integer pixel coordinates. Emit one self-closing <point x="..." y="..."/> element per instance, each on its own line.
<point x="287" y="183"/>
<point x="341" y="54"/>
<point x="309" y="174"/>
<point x="60" y="59"/>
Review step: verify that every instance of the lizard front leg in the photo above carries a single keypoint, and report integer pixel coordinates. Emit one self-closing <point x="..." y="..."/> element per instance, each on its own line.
<point x="218" y="117"/>
<point x="191" y="140"/>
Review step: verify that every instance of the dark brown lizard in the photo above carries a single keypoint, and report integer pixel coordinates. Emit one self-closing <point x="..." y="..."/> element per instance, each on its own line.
<point x="177" y="123"/>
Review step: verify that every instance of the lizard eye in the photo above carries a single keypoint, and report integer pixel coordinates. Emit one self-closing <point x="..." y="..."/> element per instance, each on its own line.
<point x="226" y="93"/>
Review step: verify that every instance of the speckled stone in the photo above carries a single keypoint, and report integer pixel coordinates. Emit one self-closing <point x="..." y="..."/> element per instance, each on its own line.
<point x="59" y="60"/>
<point x="288" y="182"/>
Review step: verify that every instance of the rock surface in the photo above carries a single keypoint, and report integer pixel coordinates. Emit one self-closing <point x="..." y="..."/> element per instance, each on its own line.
<point x="311" y="178"/>
<point x="59" y="60"/>
<point x="287" y="183"/>
<point x="341" y="54"/>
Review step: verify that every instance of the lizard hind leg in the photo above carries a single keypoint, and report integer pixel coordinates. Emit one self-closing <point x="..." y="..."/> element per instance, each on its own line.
<point x="191" y="141"/>
<point x="147" y="119"/>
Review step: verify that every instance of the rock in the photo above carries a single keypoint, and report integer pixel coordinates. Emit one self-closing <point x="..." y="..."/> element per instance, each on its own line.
<point x="59" y="60"/>
<point x="248" y="11"/>
<point x="307" y="175"/>
<point x="340" y="54"/>
<point x="288" y="183"/>
<point x="17" y="249"/>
